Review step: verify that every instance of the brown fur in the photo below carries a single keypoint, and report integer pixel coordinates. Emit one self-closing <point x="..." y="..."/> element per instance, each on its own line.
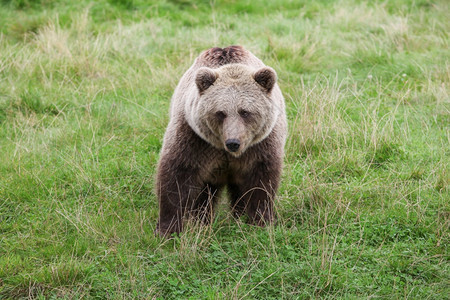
<point x="228" y="94"/>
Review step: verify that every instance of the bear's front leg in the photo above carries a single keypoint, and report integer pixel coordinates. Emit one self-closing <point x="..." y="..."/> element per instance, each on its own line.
<point x="258" y="190"/>
<point x="177" y="187"/>
<point x="203" y="207"/>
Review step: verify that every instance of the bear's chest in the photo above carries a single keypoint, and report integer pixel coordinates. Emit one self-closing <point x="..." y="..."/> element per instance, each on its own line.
<point x="224" y="169"/>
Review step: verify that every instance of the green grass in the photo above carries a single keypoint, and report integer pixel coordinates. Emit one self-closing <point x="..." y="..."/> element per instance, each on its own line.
<point x="363" y="209"/>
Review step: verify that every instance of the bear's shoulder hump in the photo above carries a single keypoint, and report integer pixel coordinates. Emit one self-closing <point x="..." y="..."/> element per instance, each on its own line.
<point x="217" y="57"/>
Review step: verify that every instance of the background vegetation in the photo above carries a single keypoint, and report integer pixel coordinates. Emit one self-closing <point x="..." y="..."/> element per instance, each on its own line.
<point x="363" y="209"/>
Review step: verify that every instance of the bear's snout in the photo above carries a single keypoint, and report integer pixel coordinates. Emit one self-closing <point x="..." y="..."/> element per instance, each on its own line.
<point x="233" y="144"/>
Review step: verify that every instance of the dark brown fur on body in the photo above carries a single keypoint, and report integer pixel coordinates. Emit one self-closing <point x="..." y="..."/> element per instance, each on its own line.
<point x="193" y="170"/>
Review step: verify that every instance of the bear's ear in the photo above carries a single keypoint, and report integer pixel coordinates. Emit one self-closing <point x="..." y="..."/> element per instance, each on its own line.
<point x="205" y="78"/>
<point x="266" y="77"/>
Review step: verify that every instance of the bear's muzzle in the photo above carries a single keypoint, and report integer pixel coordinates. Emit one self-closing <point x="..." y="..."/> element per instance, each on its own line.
<point x="233" y="144"/>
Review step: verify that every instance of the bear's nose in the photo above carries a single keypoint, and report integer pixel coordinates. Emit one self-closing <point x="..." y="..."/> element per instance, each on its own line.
<point x="232" y="144"/>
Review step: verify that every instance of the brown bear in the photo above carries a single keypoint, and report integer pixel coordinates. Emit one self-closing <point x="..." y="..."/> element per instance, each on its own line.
<point x="227" y="129"/>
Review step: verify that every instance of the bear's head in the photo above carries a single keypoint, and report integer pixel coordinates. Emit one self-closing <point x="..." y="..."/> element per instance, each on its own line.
<point x="232" y="107"/>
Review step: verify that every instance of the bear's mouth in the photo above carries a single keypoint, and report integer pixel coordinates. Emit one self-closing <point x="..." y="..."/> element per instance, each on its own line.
<point x="236" y="154"/>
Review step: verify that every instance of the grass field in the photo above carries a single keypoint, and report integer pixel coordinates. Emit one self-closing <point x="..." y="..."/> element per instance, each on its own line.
<point x="363" y="209"/>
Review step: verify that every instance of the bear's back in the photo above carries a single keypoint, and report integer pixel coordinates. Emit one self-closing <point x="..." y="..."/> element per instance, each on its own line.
<point x="217" y="57"/>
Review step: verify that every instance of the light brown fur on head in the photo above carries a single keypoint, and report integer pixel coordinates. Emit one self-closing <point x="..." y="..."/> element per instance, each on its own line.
<point x="230" y="104"/>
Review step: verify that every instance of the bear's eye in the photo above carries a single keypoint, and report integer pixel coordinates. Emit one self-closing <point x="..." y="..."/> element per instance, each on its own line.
<point x="221" y="115"/>
<point x="244" y="114"/>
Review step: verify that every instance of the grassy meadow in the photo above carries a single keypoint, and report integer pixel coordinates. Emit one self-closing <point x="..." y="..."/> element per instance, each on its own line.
<point x="363" y="209"/>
